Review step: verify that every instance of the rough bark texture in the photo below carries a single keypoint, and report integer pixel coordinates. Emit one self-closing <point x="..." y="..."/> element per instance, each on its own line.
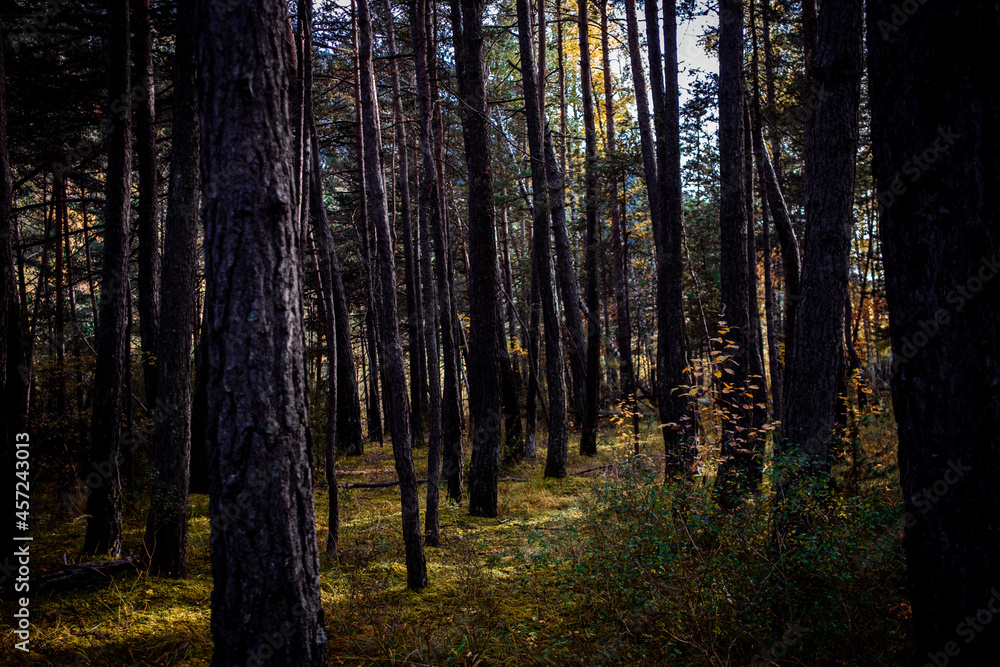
<point x="104" y="525"/>
<point x="166" y="526"/>
<point x="147" y="222"/>
<point x="391" y="346"/>
<point x="817" y="340"/>
<point x="588" y="438"/>
<point x="265" y="562"/>
<point x="742" y="465"/>
<point x="484" y="327"/>
<point x="555" y="461"/>
<point x="936" y="117"/>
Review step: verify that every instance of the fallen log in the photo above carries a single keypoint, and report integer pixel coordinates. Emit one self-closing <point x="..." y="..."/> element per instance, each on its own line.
<point x="70" y="575"/>
<point x="395" y="482"/>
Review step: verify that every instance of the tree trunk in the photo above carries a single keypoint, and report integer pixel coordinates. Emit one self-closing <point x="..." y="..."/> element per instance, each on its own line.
<point x="484" y="330"/>
<point x="166" y="525"/>
<point x="111" y="382"/>
<point x="261" y="480"/>
<point x="668" y="233"/>
<point x="555" y="461"/>
<point x="147" y="225"/>
<point x="411" y="262"/>
<point x="588" y="438"/>
<point x="385" y="278"/>
<point x="742" y="451"/>
<point x="936" y="116"/>
<point x="329" y="278"/>
<point x="427" y="207"/>
<point x="817" y="340"/>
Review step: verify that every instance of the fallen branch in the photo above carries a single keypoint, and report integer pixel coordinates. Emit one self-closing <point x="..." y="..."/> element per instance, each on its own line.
<point x="395" y="482"/>
<point x="586" y="470"/>
<point x="74" y="574"/>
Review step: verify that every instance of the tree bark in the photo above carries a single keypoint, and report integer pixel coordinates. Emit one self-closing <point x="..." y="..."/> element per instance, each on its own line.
<point x="104" y="525"/>
<point x="261" y="480"/>
<point x="484" y="331"/>
<point x="166" y="525"/>
<point x="147" y="224"/>
<point x="555" y="461"/>
<point x="588" y="438"/>
<point x="817" y="340"/>
<point x="741" y="467"/>
<point x="427" y="207"/>
<point x="940" y="247"/>
<point x="385" y="277"/>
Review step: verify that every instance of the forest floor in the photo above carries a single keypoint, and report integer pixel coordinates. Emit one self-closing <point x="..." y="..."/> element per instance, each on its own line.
<point x="527" y="588"/>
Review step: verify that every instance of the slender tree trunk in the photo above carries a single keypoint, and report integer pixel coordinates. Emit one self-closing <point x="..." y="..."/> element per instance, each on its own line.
<point x="104" y="525"/>
<point x="147" y="211"/>
<point x="385" y="277"/>
<point x="741" y="467"/>
<point x="329" y="278"/>
<point x="427" y="207"/>
<point x="940" y="247"/>
<point x="411" y="263"/>
<point x="484" y="331"/>
<point x="817" y="340"/>
<point x="166" y="525"/>
<point x="671" y="357"/>
<point x="451" y="394"/>
<point x="619" y="241"/>
<point x="555" y="462"/>
<point x="588" y="439"/>
<point x="261" y="480"/>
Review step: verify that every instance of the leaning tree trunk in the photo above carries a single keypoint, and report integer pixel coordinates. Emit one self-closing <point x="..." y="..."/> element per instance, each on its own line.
<point x="936" y="116"/>
<point x="741" y="467"/>
<point x="588" y="438"/>
<point x="831" y="146"/>
<point x="484" y="327"/>
<point x="385" y="279"/>
<point x="261" y="480"/>
<point x="104" y="525"/>
<point x="147" y="224"/>
<point x="555" y="461"/>
<point x="166" y="525"/>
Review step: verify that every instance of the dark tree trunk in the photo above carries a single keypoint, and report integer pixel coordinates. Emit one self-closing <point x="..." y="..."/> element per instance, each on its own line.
<point x="166" y="526"/>
<point x="147" y="225"/>
<point x="569" y="291"/>
<point x="427" y="207"/>
<point x="742" y="452"/>
<point x="555" y="461"/>
<point x="776" y="383"/>
<point x="817" y="340"/>
<point x="199" y="417"/>
<point x="940" y="247"/>
<point x="329" y="276"/>
<point x="13" y="381"/>
<point x="385" y="279"/>
<point x="668" y="231"/>
<point x="104" y="525"/>
<point x="451" y="406"/>
<point x="619" y="242"/>
<point x="261" y="480"/>
<point x="411" y="260"/>
<point x="588" y="438"/>
<point x="484" y="328"/>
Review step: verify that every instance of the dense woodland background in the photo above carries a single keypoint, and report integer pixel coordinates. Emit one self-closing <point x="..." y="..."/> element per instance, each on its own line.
<point x="644" y="363"/>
